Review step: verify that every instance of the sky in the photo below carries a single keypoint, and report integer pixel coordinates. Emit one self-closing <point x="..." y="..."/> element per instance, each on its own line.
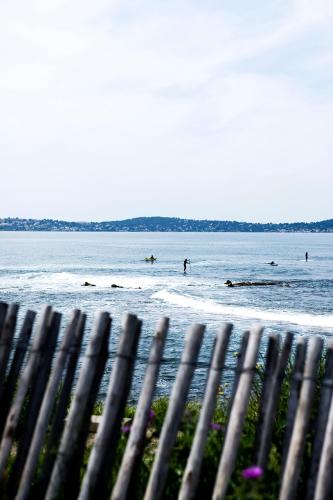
<point x="207" y="110"/>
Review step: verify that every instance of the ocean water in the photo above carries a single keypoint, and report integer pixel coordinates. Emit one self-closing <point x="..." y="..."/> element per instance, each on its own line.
<point x="40" y="268"/>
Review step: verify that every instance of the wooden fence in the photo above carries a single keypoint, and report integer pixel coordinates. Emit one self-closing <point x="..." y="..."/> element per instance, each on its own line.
<point x="43" y="414"/>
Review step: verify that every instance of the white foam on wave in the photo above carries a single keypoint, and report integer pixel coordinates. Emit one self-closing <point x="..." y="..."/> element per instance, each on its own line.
<point x="304" y="319"/>
<point x="40" y="281"/>
<point x="60" y="281"/>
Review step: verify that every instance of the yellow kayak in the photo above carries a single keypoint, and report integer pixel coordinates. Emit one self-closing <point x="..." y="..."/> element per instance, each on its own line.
<point x="150" y="259"/>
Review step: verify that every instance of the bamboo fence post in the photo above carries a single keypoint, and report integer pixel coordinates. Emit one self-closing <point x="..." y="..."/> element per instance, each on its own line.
<point x="46" y="408"/>
<point x="272" y="353"/>
<point x="295" y="385"/>
<point x="323" y="490"/>
<point x="272" y="402"/>
<point x="15" y="367"/>
<point x="6" y="340"/>
<point x="237" y="416"/>
<point x="322" y="426"/>
<point x="174" y="413"/>
<point x="72" y="489"/>
<point x="95" y="480"/>
<point x="192" y="472"/>
<point x="74" y="470"/>
<point x="23" y="386"/>
<point x="35" y="401"/>
<point x="297" y="442"/>
<point x="77" y="416"/>
<point x="3" y="311"/>
<point x="135" y="443"/>
<point x="239" y="366"/>
<point x="61" y="409"/>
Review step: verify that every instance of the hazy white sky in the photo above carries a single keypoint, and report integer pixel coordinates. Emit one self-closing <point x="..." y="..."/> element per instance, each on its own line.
<point x="211" y="109"/>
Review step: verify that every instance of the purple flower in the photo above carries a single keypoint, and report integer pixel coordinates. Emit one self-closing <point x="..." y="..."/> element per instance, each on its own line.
<point x="126" y="428"/>
<point x="253" y="472"/>
<point x="215" y="427"/>
<point x="151" y="415"/>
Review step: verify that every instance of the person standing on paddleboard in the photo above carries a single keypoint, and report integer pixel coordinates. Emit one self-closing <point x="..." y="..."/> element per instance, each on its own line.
<point x="186" y="261"/>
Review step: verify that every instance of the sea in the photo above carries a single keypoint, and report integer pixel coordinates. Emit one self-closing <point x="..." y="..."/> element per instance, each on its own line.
<point x="38" y="268"/>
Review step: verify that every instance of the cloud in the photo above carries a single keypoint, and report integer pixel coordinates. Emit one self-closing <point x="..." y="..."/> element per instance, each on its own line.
<point x="124" y="100"/>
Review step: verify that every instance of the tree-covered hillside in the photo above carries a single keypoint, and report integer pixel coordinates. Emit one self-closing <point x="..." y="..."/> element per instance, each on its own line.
<point x="163" y="224"/>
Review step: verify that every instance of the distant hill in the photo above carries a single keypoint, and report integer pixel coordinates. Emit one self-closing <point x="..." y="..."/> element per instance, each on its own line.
<point x="163" y="224"/>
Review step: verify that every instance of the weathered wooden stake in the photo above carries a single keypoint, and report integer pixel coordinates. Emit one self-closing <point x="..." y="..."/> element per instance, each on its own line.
<point x="238" y="370"/>
<point x="295" y="386"/>
<point x="192" y="472"/>
<point x="297" y="442"/>
<point x="272" y="354"/>
<point x="95" y="479"/>
<point x="23" y="386"/>
<point x="321" y="480"/>
<point x="36" y="396"/>
<point x="16" y="366"/>
<point x="46" y="408"/>
<point x="237" y="416"/>
<point x="77" y="414"/>
<point x="3" y="311"/>
<point x="58" y="422"/>
<point x="136" y="438"/>
<point x="6" y="339"/>
<point x="72" y="488"/>
<point x="272" y="400"/>
<point x="174" y="413"/>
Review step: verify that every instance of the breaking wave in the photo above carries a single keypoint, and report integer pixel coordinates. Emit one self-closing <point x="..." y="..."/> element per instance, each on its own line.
<point x="298" y="318"/>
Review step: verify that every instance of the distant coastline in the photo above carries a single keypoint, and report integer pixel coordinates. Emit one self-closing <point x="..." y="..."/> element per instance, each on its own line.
<point x="163" y="224"/>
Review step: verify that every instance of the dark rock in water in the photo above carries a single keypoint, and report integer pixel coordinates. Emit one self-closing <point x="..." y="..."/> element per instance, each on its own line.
<point x="119" y="286"/>
<point x="253" y="283"/>
<point x="86" y="283"/>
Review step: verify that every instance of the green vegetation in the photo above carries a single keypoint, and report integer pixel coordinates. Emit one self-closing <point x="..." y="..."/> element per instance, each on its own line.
<point x="267" y="486"/>
<point x="264" y="487"/>
<point x="239" y="487"/>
